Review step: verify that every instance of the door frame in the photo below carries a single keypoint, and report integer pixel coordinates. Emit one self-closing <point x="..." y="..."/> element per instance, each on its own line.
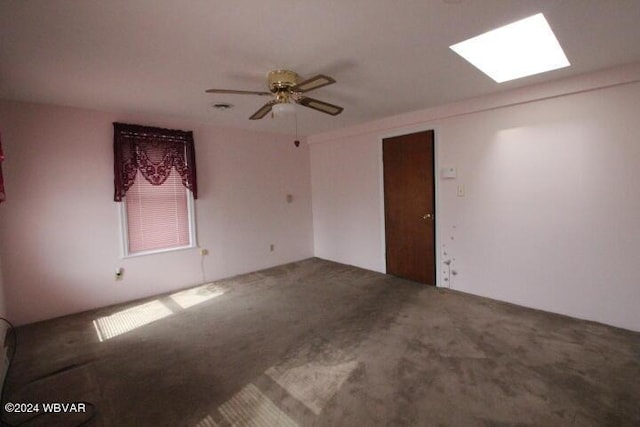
<point x="436" y="138"/>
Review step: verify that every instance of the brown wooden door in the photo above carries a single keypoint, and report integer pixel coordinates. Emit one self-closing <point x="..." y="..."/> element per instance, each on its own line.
<point x="410" y="206"/>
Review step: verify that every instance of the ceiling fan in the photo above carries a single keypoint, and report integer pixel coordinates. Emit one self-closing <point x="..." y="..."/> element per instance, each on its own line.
<point x="286" y="87"/>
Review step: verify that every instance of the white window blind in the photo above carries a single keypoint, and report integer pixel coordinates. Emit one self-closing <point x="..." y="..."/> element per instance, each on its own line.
<point x="157" y="216"/>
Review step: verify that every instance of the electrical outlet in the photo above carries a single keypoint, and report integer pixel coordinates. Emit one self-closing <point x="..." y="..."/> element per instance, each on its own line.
<point x="204" y="252"/>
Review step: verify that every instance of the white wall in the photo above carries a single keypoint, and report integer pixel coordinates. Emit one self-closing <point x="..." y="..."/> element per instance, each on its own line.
<point x="59" y="228"/>
<point x="552" y="204"/>
<point x="347" y="202"/>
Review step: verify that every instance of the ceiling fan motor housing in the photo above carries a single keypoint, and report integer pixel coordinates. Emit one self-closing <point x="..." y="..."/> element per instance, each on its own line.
<point x="282" y="80"/>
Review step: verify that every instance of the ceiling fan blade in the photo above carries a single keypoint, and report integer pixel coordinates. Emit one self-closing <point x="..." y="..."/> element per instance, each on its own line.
<point x="314" y="82"/>
<point x="322" y="106"/>
<point x="238" y="92"/>
<point x="263" y="111"/>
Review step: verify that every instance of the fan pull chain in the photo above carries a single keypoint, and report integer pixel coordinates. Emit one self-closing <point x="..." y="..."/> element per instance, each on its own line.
<point x="297" y="141"/>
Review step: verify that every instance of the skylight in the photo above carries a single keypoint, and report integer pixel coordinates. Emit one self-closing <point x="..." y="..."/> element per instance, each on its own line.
<point x="520" y="49"/>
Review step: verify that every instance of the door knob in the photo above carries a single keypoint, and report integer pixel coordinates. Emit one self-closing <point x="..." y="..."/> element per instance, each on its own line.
<point x="427" y="216"/>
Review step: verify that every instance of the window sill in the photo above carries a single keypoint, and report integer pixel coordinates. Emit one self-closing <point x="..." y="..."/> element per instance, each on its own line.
<point x="159" y="251"/>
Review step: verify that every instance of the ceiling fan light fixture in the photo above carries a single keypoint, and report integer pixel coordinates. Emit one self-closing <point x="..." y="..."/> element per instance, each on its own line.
<point x="284" y="109"/>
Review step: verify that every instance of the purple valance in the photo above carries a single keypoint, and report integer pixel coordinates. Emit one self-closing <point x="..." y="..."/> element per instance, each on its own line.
<point x="154" y="152"/>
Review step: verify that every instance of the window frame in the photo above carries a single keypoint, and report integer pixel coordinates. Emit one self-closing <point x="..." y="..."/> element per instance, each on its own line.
<point x="124" y="229"/>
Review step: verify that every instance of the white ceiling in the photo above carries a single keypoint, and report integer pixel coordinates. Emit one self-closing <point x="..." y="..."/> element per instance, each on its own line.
<point x="388" y="57"/>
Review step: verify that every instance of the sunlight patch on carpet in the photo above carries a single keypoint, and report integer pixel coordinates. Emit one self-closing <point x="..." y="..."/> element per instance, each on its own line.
<point x="250" y="407"/>
<point x="314" y="383"/>
<point x="190" y="297"/>
<point x="208" y="421"/>
<point x="130" y="319"/>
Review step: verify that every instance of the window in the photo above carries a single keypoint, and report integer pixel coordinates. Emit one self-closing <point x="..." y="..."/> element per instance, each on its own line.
<point x="155" y="182"/>
<point x="158" y="217"/>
